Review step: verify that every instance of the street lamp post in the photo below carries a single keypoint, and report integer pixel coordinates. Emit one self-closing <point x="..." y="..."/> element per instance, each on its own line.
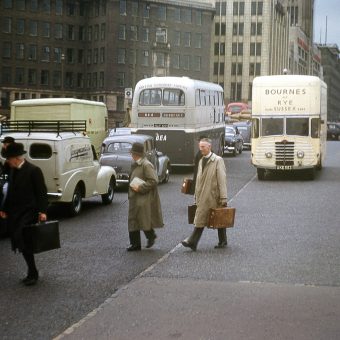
<point x="62" y="71"/>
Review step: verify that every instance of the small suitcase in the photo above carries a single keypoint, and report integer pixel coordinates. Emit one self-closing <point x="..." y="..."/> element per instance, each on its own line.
<point x="191" y="213"/>
<point x="42" y="236"/>
<point x="187" y="186"/>
<point x="221" y="217"/>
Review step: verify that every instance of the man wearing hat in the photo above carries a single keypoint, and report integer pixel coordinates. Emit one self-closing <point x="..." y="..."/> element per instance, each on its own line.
<point x="144" y="204"/>
<point x="25" y="204"/>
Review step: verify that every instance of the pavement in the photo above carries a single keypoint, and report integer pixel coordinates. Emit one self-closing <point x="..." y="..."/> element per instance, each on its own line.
<point x="153" y="307"/>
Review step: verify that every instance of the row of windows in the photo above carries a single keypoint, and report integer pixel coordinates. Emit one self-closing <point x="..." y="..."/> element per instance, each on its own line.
<point x="162" y="12"/>
<point x="36" y="28"/>
<point x="237" y="49"/>
<point x="47" y="54"/>
<point x="22" y="76"/>
<point x="256" y="8"/>
<point x="237" y="69"/>
<point x="47" y="6"/>
<point x="238" y="28"/>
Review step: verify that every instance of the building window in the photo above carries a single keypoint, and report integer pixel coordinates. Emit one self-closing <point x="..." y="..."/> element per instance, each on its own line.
<point x="197" y="63"/>
<point x="59" y="7"/>
<point x="134" y="8"/>
<point x="7" y="3"/>
<point x="69" y="80"/>
<point x="187" y="39"/>
<point x="122" y="32"/>
<point x="19" y="75"/>
<point x="89" y="57"/>
<point x="238" y="8"/>
<point x="58" y="31"/>
<point x="44" y="77"/>
<point x="88" y="80"/>
<point x="218" y="68"/>
<point x="56" y="81"/>
<point x="176" y="61"/>
<point x="220" y="28"/>
<point x="89" y="33"/>
<point x="32" y="52"/>
<point x="7" y="25"/>
<point x="134" y="33"/>
<point x="20" y="26"/>
<point x="70" y="32"/>
<point x="146" y="10"/>
<point x="255" y="49"/>
<point x="198" y="40"/>
<point x="198" y="18"/>
<point x="102" y="55"/>
<point x="95" y="55"/>
<point x="81" y="57"/>
<point x="238" y="28"/>
<point x="32" y="76"/>
<point x="237" y="48"/>
<point x="6" y="77"/>
<point x="133" y="57"/>
<point x="120" y="79"/>
<point x="20" y="51"/>
<point x="161" y="35"/>
<point x="20" y="5"/>
<point x="45" y="55"/>
<point x="46" y="29"/>
<point x="46" y="6"/>
<point x="162" y="12"/>
<point x="236" y="91"/>
<point x="34" y="5"/>
<point x="96" y="32"/>
<point x="94" y="80"/>
<point x="160" y="59"/>
<point x="7" y="49"/>
<point x="256" y="7"/>
<point x="122" y="7"/>
<point x="145" y="58"/>
<point x="186" y="15"/>
<point x="186" y="62"/>
<point x="255" y="69"/>
<point x="236" y="69"/>
<point x="177" y="14"/>
<point x="33" y="28"/>
<point x="121" y="55"/>
<point x="101" y="80"/>
<point x="57" y="55"/>
<point x="102" y="31"/>
<point x="70" y="55"/>
<point x="177" y="38"/>
<point x="145" y="32"/>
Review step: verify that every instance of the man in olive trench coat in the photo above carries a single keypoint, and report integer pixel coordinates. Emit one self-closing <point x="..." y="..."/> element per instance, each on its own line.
<point x="144" y="204"/>
<point x="210" y="192"/>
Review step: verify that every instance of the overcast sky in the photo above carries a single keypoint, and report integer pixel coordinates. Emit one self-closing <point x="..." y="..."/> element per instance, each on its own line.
<point x="331" y="9"/>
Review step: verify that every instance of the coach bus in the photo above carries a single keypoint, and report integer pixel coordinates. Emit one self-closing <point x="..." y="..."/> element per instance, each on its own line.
<point x="289" y="124"/>
<point x="177" y="111"/>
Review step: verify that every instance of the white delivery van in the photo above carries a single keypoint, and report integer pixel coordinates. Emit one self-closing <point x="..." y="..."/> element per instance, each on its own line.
<point x="94" y="113"/>
<point x="289" y="123"/>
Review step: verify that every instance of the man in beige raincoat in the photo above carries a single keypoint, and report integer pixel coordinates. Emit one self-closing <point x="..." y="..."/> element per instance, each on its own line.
<point x="210" y="192"/>
<point x="144" y="204"/>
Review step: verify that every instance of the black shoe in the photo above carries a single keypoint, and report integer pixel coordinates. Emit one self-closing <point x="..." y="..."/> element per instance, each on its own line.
<point x="134" y="248"/>
<point x="30" y="279"/>
<point x="189" y="245"/>
<point x="151" y="241"/>
<point x="221" y="245"/>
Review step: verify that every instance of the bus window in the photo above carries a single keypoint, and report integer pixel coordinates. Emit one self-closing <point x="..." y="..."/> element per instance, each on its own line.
<point x="173" y="97"/>
<point x="315" y="128"/>
<point x="297" y="126"/>
<point x="255" y="128"/>
<point x="272" y="126"/>
<point x="202" y="95"/>
<point x="150" y="97"/>
<point x="197" y="98"/>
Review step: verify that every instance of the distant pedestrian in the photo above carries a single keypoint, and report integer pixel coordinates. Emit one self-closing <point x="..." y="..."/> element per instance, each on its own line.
<point x="144" y="204"/>
<point x="25" y="204"/>
<point x="210" y="192"/>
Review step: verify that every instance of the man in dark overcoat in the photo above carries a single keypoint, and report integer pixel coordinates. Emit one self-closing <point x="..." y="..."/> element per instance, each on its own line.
<point x="26" y="203"/>
<point x="144" y="204"/>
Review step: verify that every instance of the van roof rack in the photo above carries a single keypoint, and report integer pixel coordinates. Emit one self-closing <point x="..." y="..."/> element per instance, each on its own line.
<point x="29" y="126"/>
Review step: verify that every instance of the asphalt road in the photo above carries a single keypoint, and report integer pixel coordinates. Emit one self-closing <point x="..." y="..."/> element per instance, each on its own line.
<point x="286" y="233"/>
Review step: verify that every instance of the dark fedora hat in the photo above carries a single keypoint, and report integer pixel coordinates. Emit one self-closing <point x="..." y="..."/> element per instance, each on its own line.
<point x="14" y="150"/>
<point x="138" y="149"/>
<point x="8" y="139"/>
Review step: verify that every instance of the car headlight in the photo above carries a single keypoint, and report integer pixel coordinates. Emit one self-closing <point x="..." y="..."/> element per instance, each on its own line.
<point x="300" y="154"/>
<point x="269" y="154"/>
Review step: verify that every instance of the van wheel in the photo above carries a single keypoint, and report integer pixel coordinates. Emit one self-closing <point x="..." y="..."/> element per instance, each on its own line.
<point x="108" y="197"/>
<point x="167" y="175"/>
<point x="76" y="204"/>
<point x="310" y="174"/>
<point x="261" y="174"/>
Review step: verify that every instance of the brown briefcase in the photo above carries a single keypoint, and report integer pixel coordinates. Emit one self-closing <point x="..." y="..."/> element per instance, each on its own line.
<point x="186" y="186"/>
<point x="221" y="217"/>
<point x="191" y="213"/>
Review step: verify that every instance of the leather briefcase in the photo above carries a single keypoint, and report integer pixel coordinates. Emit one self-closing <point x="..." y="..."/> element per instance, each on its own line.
<point x="42" y="236"/>
<point x="221" y="217"/>
<point x="187" y="186"/>
<point x="191" y="213"/>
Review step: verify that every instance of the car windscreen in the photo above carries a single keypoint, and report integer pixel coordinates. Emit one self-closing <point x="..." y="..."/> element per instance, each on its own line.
<point x="229" y="131"/>
<point x="119" y="148"/>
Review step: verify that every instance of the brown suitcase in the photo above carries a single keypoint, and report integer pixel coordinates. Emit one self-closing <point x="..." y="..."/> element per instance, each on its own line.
<point x="221" y="217"/>
<point x="186" y="186"/>
<point x="191" y="213"/>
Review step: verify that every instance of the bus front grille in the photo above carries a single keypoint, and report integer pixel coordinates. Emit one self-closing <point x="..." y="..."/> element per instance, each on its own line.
<point x="284" y="153"/>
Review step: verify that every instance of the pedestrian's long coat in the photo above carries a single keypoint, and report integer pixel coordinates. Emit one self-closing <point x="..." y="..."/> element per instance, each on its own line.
<point x="26" y="197"/>
<point x="144" y="206"/>
<point x="211" y="188"/>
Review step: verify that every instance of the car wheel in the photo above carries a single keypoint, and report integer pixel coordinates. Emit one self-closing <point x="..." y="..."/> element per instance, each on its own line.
<point x="108" y="197"/>
<point x="77" y="202"/>
<point x="240" y="149"/>
<point x="261" y="174"/>
<point x="167" y="175"/>
<point x="234" y="151"/>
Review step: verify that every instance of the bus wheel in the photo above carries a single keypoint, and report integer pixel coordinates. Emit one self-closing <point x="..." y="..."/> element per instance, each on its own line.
<point x="261" y="174"/>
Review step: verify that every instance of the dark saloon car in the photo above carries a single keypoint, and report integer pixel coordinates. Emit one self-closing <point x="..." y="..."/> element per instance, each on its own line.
<point x="245" y="130"/>
<point x="233" y="141"/>
<point x="116" y="153"/>
<point x="333" y="131"/>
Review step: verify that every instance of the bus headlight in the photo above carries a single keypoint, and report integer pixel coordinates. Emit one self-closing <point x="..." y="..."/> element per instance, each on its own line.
<point x="269" y="154"/>
<point x="300" y="154"/>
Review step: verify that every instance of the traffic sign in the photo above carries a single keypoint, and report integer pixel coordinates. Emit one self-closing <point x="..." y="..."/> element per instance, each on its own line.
<point x="128" y="93"/>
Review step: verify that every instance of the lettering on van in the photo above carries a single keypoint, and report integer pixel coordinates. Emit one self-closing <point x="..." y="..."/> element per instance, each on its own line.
<point x="149" y="114"/>
<point x="160" y="137"/>
<point x="285" y="92"/>
<point x="80" y="153"/>
<point x="173" y="115"/>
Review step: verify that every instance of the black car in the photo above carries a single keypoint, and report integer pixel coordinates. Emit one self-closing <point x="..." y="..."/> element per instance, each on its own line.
<point x="233" y="141"/>
<point x="116" y="153"/>
<point x="245" y="130"/>
<point x="333" y="131"/>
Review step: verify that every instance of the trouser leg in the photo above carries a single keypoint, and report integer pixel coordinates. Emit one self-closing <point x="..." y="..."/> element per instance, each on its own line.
<point x="193" y="239"/>
<point x="134" y="237"/>
<point x="222" y="237"/>
<point x="151" y="236"/>
<point x="32" y="269"/>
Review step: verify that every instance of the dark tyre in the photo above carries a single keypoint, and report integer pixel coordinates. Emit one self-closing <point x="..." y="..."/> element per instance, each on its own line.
<point x="76" y="204"/>
<point x="234" y="152"/>
<point x="167" y="175"/>
<point x="240" y="149"/>
<point x="310" y="174"/>
<point x="261" y="174"/>
<point x="108" y="197"/>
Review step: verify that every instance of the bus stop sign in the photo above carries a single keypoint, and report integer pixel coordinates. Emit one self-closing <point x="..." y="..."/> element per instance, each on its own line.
<point x="128" y="93"/>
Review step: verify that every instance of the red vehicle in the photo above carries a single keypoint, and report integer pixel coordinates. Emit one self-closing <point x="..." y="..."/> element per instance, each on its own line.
<point x="238" y="111"/>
